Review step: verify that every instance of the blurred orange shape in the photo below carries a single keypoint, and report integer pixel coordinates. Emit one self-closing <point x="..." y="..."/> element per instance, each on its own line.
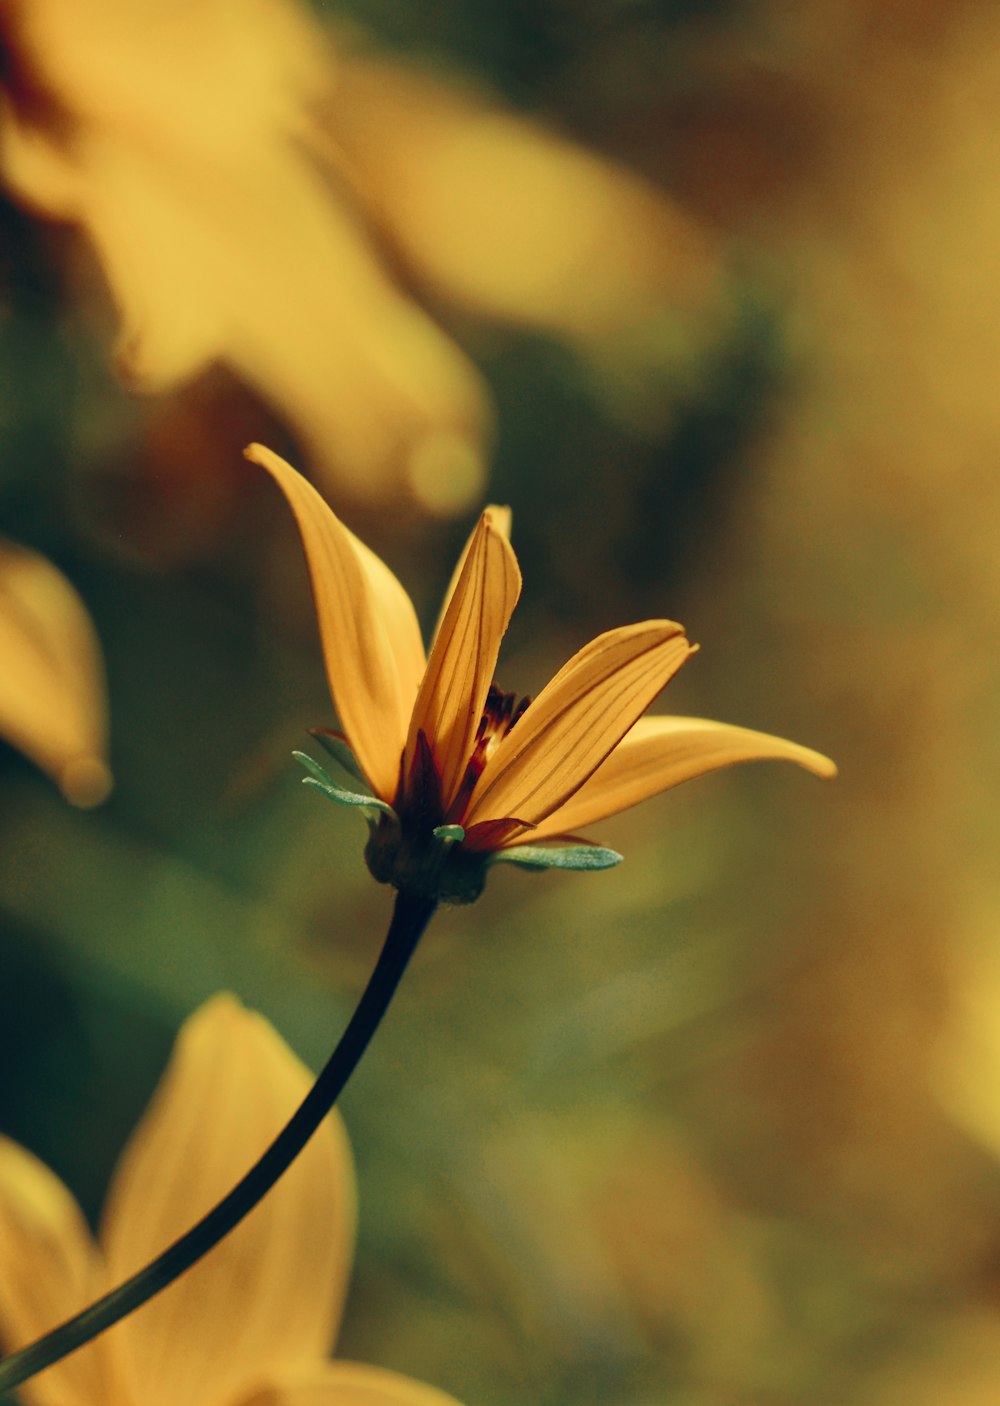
<point x="256" y="199"/>
<point x="52" y="695"/>
<point x="174" y="137"/>
<point x="251" y="1322"/>
<point x="682" y="1253"/>
<point x="499" y="215"/>
<point x="966" y="1068"/>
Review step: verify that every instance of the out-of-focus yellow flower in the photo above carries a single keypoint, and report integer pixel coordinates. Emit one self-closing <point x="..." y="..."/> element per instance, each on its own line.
<point x="254" y="198"/>
<point x="174" y="135"/>
<point x="252" y="1322"/>
<point x="461" y="774"/>
<point x="52" y="698"/>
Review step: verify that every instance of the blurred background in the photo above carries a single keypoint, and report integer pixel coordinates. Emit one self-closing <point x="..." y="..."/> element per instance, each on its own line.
<point x="710" y="295"/>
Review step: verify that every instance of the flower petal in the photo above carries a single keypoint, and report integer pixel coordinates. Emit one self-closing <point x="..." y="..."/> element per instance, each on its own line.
<point x="368" y="627"/>
<point x="344" y="1384"/>
<point x="662" y="752"/>
<point x="35" y="166"/>
<point x="52" y="699"/>
<point x="51" y="1269"/>
<point x="274" y="1288"/>
<point x="576" y="720"/>
<point x="500" y="518"/>
<point x="464" y="653"/>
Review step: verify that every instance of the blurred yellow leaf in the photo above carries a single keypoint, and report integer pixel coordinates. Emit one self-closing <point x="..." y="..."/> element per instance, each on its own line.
<point x="497" y="214"/>
<point x="52" y="698"/>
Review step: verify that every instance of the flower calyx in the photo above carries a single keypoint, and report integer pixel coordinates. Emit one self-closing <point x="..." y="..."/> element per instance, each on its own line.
<point x="417" y="849"/>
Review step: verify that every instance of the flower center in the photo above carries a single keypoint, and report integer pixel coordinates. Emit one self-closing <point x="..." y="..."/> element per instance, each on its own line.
<point x="500" y="713"/>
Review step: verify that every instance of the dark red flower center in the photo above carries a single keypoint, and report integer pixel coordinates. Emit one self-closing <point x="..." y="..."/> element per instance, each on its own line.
<point x="500" y="713"/>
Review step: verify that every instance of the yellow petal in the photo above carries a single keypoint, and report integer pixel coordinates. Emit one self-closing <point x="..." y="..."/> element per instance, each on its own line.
<point x="49" y="1270"/>
<point x="273" y="1289"/>
<point x="273" y="275"/>
<point x="371" y="639"/>
<point x="117" y="63"/>
<point x="52" y="699"/>
<point x="464" y="653"/>
<point x="662" y="752"/>
<point x="343" y="1384"/>
<point x="576" y="720"/>
<point x="500" y="519"/>
<point x="156" y="259"/>
<point x="35" y="166"/>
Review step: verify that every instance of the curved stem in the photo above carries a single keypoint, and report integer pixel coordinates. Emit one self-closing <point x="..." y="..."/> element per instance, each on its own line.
<point x="409" y="919"/>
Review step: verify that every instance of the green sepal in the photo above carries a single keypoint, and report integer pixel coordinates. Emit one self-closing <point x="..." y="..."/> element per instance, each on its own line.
<point x="370" y="806"/>
<point x="339" y="751"/>
<point x="542" y="856"/>
<point x="452" y="834"/>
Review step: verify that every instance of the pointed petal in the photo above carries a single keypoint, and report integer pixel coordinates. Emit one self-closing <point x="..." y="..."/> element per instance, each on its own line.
<point x="50" y="1270"/>
<point x="343" y="1384"/>
<point x="576" y="720"/>
<point x="274" y="1288"/>
<point x="52" y="698"/>
<point x="500" y="517"/>
<point x="368" y="627"/>
<point x="464" y="654"/>
<point x="662" y="752"/>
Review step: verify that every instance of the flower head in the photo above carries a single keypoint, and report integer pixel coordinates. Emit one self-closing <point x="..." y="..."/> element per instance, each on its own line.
<point x="462" y="775"/>
<point x="252" y="1322"/>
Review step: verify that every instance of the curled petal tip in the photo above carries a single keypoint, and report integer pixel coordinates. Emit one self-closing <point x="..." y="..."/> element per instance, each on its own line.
<point x="224" y="1005"/>
<point x="267" y="459"/>
<point x="368" y="628"/>
<point x="820" y="765"/>
<point x="498" y="516"/>
<point x="85" y="782"/>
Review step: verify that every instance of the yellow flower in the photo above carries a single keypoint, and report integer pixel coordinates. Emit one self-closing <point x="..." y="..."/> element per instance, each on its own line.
<point x="252" y="1322"/>
<point x="259" y="195"/>
<point x="52" y="700"/>
<point x="174" y="137"/>
<point x="461" y="774"/>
